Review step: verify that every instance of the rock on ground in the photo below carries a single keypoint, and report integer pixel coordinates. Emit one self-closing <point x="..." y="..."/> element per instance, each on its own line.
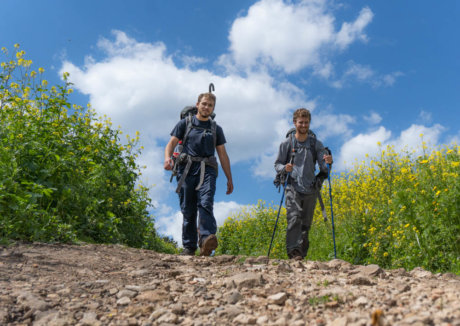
<point x="44" y="284"/>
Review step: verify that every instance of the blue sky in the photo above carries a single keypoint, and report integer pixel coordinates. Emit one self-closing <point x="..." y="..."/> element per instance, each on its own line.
<point x="380" y="71"/>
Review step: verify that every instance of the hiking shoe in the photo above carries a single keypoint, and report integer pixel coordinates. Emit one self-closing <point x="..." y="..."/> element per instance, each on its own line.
<point x="297" y="258"/>
<point x="209" y="244"/>
<point x="188" y="252"/>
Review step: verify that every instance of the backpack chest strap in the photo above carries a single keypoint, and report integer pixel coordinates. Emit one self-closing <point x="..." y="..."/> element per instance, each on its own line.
<point x="211" y="161"/>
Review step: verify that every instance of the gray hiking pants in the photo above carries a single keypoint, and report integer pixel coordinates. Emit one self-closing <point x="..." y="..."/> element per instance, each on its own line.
<point x="300" y="209"/>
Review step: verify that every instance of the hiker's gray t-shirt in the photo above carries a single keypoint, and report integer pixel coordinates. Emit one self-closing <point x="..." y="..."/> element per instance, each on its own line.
<point x="303" y="173"/>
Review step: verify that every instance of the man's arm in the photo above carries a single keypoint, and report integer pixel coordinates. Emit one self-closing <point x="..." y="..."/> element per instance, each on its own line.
<point x="281" y="162"/>
<point x="323" y="159"/>
<point x="225" y="162"/>
<point x="168" y="164"/>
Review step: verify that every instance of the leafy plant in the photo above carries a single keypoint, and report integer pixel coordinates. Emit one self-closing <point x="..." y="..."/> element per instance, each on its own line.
<point x="394" y="210"/>
<point x="64" y="173"/>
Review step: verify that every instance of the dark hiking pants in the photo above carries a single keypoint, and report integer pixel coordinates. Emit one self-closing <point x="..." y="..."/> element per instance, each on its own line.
<point x="194" y="202"/>
<point x="300" y="209"/>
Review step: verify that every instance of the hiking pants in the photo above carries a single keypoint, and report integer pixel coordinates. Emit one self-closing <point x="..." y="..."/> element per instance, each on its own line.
<point x="300" y="209"/>
<point x="199" y="201"/>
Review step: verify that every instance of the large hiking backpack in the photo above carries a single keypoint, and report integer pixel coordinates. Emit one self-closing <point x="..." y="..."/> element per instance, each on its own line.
<point x="187" y="113"/>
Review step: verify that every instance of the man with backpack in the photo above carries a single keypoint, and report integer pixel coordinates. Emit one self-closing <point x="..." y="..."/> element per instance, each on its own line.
<point x="297" y="158"/>
<point x="197" y="172"/>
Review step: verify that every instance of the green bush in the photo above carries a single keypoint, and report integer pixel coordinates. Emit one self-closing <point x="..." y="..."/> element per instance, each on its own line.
<point x="64" y="173"/>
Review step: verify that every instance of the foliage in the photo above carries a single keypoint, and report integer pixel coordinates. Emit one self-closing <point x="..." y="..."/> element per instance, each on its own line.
<point x="64" y="173"/>
<point x="397" y="210"/>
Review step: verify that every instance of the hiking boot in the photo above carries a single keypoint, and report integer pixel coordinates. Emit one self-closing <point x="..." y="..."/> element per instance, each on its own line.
<point x="297" y="258"/>
<point x="209" y="244"/>
<point x="188" y="252"/>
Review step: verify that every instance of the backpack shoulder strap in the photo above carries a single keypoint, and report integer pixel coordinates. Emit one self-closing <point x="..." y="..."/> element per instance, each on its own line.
<point x="291" y="145"/>
<point x="214" y="131"/>
<point x="188" y="127"/>
<point x="312" y="137"/>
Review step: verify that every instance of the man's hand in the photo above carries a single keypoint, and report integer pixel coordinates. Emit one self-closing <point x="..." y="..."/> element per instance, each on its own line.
<point x="229" y="187"/>
<point x="327" y="158"/>
<point x="169" y="163"/>
<point x="288" y="167"/>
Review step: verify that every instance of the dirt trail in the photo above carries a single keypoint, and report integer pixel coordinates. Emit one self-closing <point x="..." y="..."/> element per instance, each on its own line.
<point x="42" y="284"/>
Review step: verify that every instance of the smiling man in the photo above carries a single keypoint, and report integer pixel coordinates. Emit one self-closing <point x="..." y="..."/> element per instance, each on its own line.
<point x="197" y="172"/>
<point x="298" y="155"/>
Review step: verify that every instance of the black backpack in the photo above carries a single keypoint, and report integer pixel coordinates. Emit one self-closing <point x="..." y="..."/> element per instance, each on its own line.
<point x="187" y="113"/>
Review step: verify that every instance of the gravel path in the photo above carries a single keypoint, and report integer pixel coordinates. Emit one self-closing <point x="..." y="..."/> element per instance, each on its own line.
<point x="43" y="284"/>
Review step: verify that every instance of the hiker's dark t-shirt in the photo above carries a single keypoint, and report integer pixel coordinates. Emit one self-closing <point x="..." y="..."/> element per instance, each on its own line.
<point x="200" y="141"/>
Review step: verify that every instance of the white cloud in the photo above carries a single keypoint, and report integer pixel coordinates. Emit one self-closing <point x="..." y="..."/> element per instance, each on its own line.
<point x="413" y="136"/>
<point x="332" y="125"/>
<point x="291" y="35"/>
<point x="190" y="61"/>
<point x="360" y="72"/>
<point x="425" y="116"/>
<point x="365" y="74"/>
<point x="390" y="79"/>
<point x="356" y="148"/>
<point x="352" y="31"/>
<point x="140" y="88"/>
<point x="223" y="210"/>
<point x="169" y="223"/>
<point x="373" y="118"/>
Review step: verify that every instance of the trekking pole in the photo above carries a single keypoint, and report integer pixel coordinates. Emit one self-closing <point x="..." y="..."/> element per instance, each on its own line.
<point x="330" y="199"/>
<point x="281" y="204"/>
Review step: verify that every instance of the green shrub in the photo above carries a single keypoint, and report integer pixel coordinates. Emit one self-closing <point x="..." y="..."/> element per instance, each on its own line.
<point x="64" y="173"/>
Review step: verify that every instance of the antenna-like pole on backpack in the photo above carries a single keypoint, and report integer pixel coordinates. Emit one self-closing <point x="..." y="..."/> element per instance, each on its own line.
<point x="330" y="200"/>
<point x="281" y="203"/>
<point x="211" y="88"/>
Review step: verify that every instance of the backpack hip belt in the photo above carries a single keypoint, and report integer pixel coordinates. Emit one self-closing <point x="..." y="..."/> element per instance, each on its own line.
<point x="211" y="161"/>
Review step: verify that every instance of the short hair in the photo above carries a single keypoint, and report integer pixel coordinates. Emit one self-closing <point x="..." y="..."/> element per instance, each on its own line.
<point x="208" y="95"/>
<point x="301" y="113"/>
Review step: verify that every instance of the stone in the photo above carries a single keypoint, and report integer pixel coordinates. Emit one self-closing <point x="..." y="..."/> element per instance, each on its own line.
<point x="124" y="301"/>
<point x="361" y="301"/>
<point x="360" y="280"/>
<point x="340" y="321"/>
<point x="419" y="272"/>
<point x="262" y="320"/>
<point x="278" y="298"/>
<point x="90" y="319"/>
<point x="126" y="293"/>
<point x="247" y="280"/>
<point x="169" y="317"/>
<point x="152" y="296"/>
<point x="370" y="270"/>
<point x="233" y="297"/>
<point x="31" y="301"/>
<point x="243" y="319"/>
